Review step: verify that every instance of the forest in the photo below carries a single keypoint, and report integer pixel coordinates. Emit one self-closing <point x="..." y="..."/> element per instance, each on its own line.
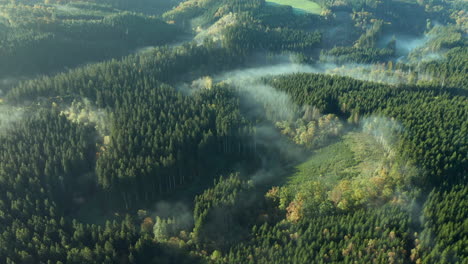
<point x="233" y="131"/>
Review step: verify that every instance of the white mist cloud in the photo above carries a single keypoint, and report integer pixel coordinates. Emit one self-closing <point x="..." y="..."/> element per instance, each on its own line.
<point x="404" y="43"/>
<point x="9" y="116"/>
<point x="83" y="112"/>
<point x="256" y="73"/>
<point x="385" y="131"/>
<point x="278" y="104"/>
<point x="178" y="211"/>
<point x="380" y="73"/>
<point x="67" y="9"/>
<point x="7" y="83"/>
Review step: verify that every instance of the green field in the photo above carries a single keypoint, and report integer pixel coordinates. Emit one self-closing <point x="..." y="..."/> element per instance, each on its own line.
<point x="355" y="155"/>
<point x="300" y="5"/>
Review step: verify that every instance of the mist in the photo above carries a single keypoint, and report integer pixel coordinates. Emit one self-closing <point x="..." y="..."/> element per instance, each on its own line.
<point x="424" y="48"/>
<point x="248" y="82"/>
<point x="279" y="154"/>
<point x="143" y="50"/>
<point x="67" y="8"/>
<point x="84" y="112"/>
<point x="259" y="101"/>
<point x="9" y="116"/>
<point x="381" y="73"/>
<point x="404" y="43"/>
<point x="255" y="93"/>
<point x="175" y="210"/>
<point x="7" y="83"/>
<point x="263" y="105"/>
<point x="384" y="130"/>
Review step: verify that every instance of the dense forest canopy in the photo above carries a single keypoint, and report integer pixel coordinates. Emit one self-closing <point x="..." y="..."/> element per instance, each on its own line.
<point x="233" y="131"/>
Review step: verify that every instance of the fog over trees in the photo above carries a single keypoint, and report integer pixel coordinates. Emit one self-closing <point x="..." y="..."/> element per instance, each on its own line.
<point x="233" y="131"/>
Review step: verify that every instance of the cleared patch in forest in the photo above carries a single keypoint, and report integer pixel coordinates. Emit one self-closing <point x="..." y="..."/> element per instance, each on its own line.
<point x="357" y="154"/>
<point x="300" y="6"/>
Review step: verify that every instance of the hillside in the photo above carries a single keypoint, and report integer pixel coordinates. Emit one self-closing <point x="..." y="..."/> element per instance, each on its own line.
<point x="233" y="131"/>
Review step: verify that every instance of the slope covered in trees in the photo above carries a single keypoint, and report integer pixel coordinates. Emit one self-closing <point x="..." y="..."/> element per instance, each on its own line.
<point x="44" y="38"/>
<point x="429" y="116"/>
<point x="244" y="144"/>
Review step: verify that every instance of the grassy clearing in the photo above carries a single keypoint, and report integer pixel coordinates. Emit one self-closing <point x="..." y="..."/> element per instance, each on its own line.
<point x="356" y="155"/>
<point x="300" y="5"/>
<point x="328" y="164"/>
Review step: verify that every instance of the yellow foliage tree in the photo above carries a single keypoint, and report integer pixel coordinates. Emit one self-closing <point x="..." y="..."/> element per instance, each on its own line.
<point x="294" y="210"/>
